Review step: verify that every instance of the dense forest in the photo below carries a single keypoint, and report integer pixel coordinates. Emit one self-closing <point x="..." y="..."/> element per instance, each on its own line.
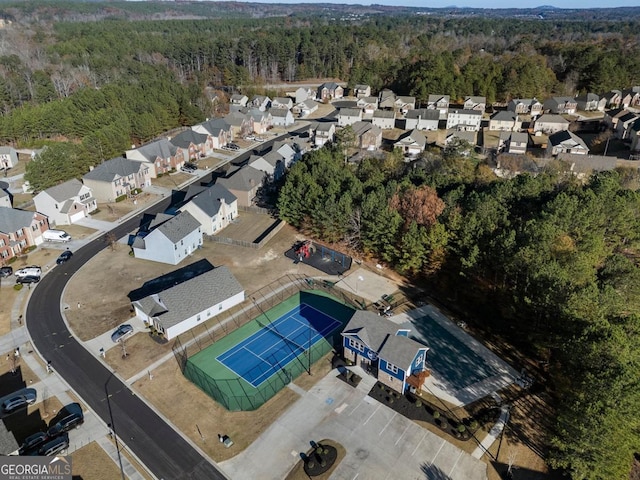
<point x="553" y="259"/>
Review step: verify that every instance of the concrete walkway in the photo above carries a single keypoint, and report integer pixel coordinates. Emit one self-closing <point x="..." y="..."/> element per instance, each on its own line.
<point x="494" y="433"/>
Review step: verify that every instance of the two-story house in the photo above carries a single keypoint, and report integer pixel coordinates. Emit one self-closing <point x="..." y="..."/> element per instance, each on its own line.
<point x="324" y="132"/>
<point x="244" y="184"/>
<point x="261" y="121"/>
<point x="192" y="144"/>
<point x="175" y="308"/>
<point x="213" y="207"/>
<point x="272" y="164"/>
<point x="403" y="104"/>
<point x="386" y="99"/>
<point x="305" y="108"/>
<point x="20" y="229"/>
<point x="549" y="123"/>
<point x="349" y="116"/>
<point x="368" y="105"/>
<point x="303" y="94"/>
<point x="377" y="345"/>
<point x="361" y="91"/>
<point x="513" y="142"/>
<point x="613" y="98"/>
<point x="566" y="142"/>
<point x="475" y="103"/>
<point x="8" y="157"/>
<point x="464" y="120"/>
<point x="282" y="102"/>
<point x="411" y="143"/>
<point x="116" y="178"/>
<point x="281" y="117"/>
<point x="160" y="156"/>
<point x="560" y="105"/>
<point x="239" y="100"/>
<point x="505" y="120"/>
<point x="624" y="124"/>
<point x="240" y="125"/>
<point x="218" y="130"/>
<point x="260" y="102"/>
<point x="525" y="106"/>
<point x="329" y="91"/>
<point x="368" y="136"/>
<point x="422" y="119"/>
<point x="66" y="203"/>
<point x="168" y="239"/>
<point x="591" y="102"/>
<point x="611" y="117"/>
<point x="440" y="103"/>
<point x="385" y="119"/>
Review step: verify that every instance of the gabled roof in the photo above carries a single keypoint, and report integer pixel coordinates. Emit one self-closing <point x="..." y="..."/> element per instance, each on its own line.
<point x="159" y="149"/>
<point x="462" y="135"/>
<point x="360" y="128"/>
<point x="611" y="94"/>
<point x="273" y="157"/>
<point x="325" y="126"/>
<point x="519" y="137"/>
<point x="505" y="116"/>
<point x="423" y="113"/>
<point x="209" y="200"/>
<point x="475" y="99"/>
<point x="350" y="112"/>
<point x="472" y="113"/>
<point x="617" y="112"/>
<point x="235" y="119"/>
<point x="282" y="100"/>
<point x="279" y="112"/>
<point x="588" y="97"/>
<point x="405" y="99"/>
<point x="627" y="117"/>
<point x="384" y="114"/>
<point x="193" y="296"/>
<point x="215" y="125"/>
<point x="243" y="180"/>
<point x="566" y="138"/>
<point x="65" y="190"/>
<point x="179" y="227"/>
<point x="551" y="118"/>
<point x="12" y="219"/>
<point x="525" y="101"/>
<point x="259" y="115"/>
<point x="361" y="86"/>
<point x="309" y="103"/>
<point x="188" y="137"/>
<point x="329" y="85"/>
<point x="112" y="169"/>
<point x="588" y="163"/>
<point x="400" y="350"/>
<point x="437" y="98"/>
<point x="412" y="137"/>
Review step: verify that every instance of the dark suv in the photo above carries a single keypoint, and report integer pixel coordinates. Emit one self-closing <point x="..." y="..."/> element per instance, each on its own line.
<point x="65" y="424"/>
<point x="28" y="279"/>
<point x="6" y="272"/>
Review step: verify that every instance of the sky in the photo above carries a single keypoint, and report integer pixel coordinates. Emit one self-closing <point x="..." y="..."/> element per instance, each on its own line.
<point x="482" y="3"/>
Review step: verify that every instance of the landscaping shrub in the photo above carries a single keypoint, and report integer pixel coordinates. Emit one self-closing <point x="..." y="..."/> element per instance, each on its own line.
<point x="17" y="286"/>
<point x="418" y="403"/>
<point x="436" y="414"/>
<point x="121" y="198"/>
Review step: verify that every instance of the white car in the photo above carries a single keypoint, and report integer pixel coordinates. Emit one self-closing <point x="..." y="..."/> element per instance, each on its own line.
<point x="32" y="271"/>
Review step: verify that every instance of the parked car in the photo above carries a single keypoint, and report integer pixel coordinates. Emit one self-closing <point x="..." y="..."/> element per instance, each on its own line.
<point x="189" y="168"/>
<point x="6" y="272"/>
<point x="26" y="397"/>
<point x="57" y="445"/>
<point x="234" y="146"/>
<point x="27" y="279"/>
<point x="52" y="235"/>
<point x="32" y="442"/>
<point x="71" y="421"/>
<point x="250" y="137"/>
<point x="259" y="139"/>
<point x="121" y="332"/>
<point x="32" y="271"/>
<point x="64" y="256"/>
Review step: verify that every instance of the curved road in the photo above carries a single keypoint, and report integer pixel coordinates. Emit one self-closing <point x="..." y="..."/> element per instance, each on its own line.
<point x="155" y="443"/>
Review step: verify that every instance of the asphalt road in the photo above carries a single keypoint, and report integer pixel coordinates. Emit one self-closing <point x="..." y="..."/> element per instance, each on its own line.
<point x="155" y="443"/>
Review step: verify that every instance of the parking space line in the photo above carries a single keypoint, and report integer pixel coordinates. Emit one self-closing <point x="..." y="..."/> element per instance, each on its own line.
<point x="390" y="420"/>
<point x="454" y="465"/>
<point x="416" y="449"/>
<point x="355" y="408"/>
<point x="371" y="416"/>
<point x="405" y="431"/>
<point x="434" y="457"/>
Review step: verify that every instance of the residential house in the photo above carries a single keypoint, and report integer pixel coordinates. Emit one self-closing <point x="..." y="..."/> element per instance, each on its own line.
<point x="404" y="104"/>
<point x="475" y="103"/>
<point x="411" y="143"/>
<point x="240" y="125"/>
<point x="8" y="158"/>
<point x="583" y="166"/>
<point x="613" y="98"/>
<point x="261" y="121"/>
<point x="505" y="120"/>
<point x="272" y="164"/>
<point x="218" y="129"/>
<point x="260" y="102"/>
<point x="440" y="103"/>
<point x="369" y="136"/>
<point x="634" y="135"/>
<point x="379" y="346"/>
<point x="6" y="199"/>
<point x="116" y="178"/>
<point x="329" y="91"/>
<point x="303" y="94"/>
<point x="590" y="102"/>
<point x="325" y="132"/>
<point x="386" y="99"/>
<point x="169" y="240"/>
<point x="549" y="123"/>
<point x="305" y="108"/>
<point x="281" y="117"/>
<point x="214" y="208"/>
<point x="66" y="203"/>
<point x="244" y="184"/>
<point x="469" y="137"/>
<point x="629" y="98"/>
<point x="368" y="105"/>
<point x="385" y="119"/>
<point x="361" y="91"/>
<point x="513" y="142"/>
<point x="611" y="117"/>
<point x="192" y="144"/>
<point x="20" y="229"/>
<point x="290" y="151"/>
<point x="239" y="100"/>
<point x="282" y="102"/>
<point x="161" y="156"/>
<point x="624" y="124"/>
<point x="525" y="106"/>
<point x="560" y="105"/>
<point x="349" y="116"/>
<point x="464" y="120"/>
<point x="421" y="119"/>
<point x="178" y="308"/>
<point x="566" y="142"/>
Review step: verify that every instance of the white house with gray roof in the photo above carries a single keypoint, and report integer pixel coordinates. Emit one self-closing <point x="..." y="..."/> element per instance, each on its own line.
<point x="8" y="157"/>
<point x="377" y="345"/>
<point x="282" y="102"/>
<point x="214" y="208"/>
<point x="513" y="142"/>
<point x="66" y="203"/>
<point x="549" y="123"/>
<point x="411" y="143"/>
<point x="281" y="117"/>
<point x="305" y="108"/>
<point x="272" y="164"/>
<point x="186" y="305"/>
<point x="5" y="199"/>
<point x="505" y="120"/>
<point x="566" y="142"/>
<point x="325" y="132"/>
<point x="527" y="106"/>
<point x="464" y="120"/>
<point x="349" y="116"/>
<point x="439" y="103"/>
<point x="218" y="130"/>
<point x="161" y="156"/>
<point x="116" y="178"/>
<point x="475" y="103"/>
<point x="422" y="119"/>
<point x="171" y="241"/>
<point x="384" y="119"/>
<point x="244" y="183"/>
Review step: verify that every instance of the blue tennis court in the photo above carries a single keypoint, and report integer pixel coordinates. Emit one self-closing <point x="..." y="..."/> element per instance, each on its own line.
<point x="278" y="343"/>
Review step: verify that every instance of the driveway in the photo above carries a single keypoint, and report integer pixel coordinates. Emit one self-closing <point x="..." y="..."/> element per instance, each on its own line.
<point x="380" y="443"/>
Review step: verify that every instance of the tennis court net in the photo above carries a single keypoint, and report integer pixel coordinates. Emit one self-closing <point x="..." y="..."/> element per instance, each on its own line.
<point x="273" y="329"/>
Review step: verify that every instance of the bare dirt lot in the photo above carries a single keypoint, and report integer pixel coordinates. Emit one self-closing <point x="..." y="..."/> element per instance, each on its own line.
<point x="113" y="211"/>
<point x="91" y="462"/>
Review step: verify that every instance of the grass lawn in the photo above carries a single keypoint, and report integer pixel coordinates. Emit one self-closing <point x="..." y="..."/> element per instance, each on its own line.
<point x="91" y="462"/>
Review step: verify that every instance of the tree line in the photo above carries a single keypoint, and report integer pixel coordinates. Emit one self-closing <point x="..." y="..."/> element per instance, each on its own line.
<point x="553" y="262"/>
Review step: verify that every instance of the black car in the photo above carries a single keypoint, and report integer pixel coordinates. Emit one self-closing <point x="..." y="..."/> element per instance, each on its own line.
<point x="54" y="446"/>
<point x="64" y="256"/>
<point x="72" y="420"/>
<point x="32" y="442"/>
<point x="189" y="168"/>
<point x="28" y="279"/>
<point x="6" y="272"/>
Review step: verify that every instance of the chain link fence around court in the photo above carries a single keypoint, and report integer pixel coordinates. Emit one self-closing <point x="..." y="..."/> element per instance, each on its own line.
<point x="273" y="300"/>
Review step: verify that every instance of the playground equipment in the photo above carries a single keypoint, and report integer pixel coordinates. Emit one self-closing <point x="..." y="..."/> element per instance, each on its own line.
<point x="304" y="249"/>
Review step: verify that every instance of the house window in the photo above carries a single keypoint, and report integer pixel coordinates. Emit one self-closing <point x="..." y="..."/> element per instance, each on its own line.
<point x="357" y="345"/>
<point x="198" y="318"/>
<point x="392" y="368"/>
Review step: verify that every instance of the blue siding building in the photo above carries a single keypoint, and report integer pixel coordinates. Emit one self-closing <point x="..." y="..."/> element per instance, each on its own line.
<point x="380" y="347"/>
